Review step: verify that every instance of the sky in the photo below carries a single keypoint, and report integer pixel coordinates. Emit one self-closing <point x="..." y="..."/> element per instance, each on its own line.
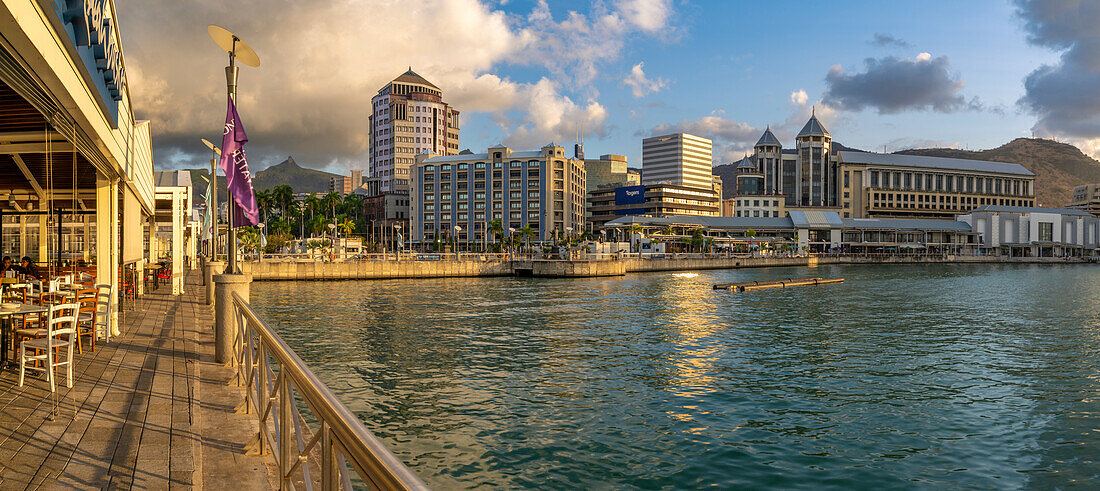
<point x="881" y="76"/>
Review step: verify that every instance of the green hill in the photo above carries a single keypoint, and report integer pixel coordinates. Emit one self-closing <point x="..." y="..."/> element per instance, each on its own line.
<point x="301" y="179"/>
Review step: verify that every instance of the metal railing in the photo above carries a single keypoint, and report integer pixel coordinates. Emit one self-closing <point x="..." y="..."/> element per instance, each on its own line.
<point x="275" y="381"/>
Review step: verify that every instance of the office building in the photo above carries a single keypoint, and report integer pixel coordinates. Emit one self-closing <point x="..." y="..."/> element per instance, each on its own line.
<point x="607" y="170"/>
<point x="655" y="200"/>
<point x="542" y="189"/>
<point x="1086" y="198"/>
<point x="819" y="174"/>
<point x="346" y="184"/>
<point x="1024" y="231"/>
<point x="678" y="159"/>
<point x="408" y="117"/>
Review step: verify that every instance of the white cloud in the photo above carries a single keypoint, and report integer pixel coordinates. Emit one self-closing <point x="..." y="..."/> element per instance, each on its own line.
<point x="311" y="95"/>
<point x="799" y="97"/>
<point x="648" y="15"/>
<point x="640" y="85"/>
<point x="549" y="116"/>
<point x="730" y="139"/>
<point x="924" y="57"/>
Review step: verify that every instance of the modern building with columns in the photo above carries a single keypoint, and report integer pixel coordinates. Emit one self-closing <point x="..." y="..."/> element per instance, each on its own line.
<point x="76" y="169"/>
<point x="1021" y="231"/>
<point x="822" y="175"/>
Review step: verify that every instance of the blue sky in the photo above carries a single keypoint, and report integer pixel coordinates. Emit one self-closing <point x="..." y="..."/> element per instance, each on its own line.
<point x="882" y="75"/>
<point x="742" y="61"/>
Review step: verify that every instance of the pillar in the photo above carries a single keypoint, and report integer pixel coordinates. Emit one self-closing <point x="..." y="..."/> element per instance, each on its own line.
<point x="107" y="247"/>
<point x="211" y="268"/>
<point x="225" y="320"/>
<point x="177" y="244"/>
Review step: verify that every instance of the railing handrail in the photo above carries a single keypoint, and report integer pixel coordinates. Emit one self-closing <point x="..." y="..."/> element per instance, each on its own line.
<point x="369" y="455"/>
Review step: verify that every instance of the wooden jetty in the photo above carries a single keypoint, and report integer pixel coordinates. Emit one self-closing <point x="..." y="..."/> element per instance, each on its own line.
<point x="149" y="410"/>
<point x="749" y="286"/>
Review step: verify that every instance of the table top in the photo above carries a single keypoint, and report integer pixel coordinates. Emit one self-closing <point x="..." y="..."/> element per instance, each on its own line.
<point x="153" y="266"/>
<point x="26" y="308"/>
<point x="10" y="280"/>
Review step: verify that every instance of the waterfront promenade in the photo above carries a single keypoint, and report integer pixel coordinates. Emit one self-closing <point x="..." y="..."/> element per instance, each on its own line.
<point x="149" y="410"/>
<point x="478" y="265"/>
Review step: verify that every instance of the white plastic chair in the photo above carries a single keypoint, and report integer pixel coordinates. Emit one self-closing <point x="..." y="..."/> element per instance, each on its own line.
<point x="103" y="312"/>
<point x="60" y="335"/>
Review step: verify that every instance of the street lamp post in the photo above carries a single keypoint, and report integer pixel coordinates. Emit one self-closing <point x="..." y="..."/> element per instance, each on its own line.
<point x="511" y="247"/>
<point x="332" y="229"/>
<point x="458" y="230"/>
<point x="396" y="246"/>
<point x="260" y="251"/>
<point x="238" y="50"/>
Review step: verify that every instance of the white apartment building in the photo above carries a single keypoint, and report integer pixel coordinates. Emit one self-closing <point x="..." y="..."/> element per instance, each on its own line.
<point x="408" y="117"/>
<point x="679" y="159"/>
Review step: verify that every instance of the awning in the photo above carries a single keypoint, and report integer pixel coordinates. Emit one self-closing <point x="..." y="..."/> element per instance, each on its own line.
<point x="132" y="239"/>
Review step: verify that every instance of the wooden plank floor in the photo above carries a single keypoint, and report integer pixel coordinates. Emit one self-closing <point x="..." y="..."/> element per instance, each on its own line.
<point x="149" y="410"/>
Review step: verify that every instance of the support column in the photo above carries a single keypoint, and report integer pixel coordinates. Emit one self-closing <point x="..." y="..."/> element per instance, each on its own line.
<point x="107" y="247"/>
<point x="177" y="244"/>
<point x="211" y="268"/>
<point x="225" y="319"/>
<point x="43" y="239"/>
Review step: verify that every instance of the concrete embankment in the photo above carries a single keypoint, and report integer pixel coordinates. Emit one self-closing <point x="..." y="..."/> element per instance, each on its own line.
<point x="374" y="270"/>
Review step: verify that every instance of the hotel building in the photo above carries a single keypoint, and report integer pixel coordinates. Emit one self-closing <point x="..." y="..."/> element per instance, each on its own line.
<point x="1086" y="198"/>
<point x="819" y="174"/>
<point x="346" y="184"/>
<point x="542" y="189"/>
<point x="408" y="117"/>
<point x="678" y="159"/>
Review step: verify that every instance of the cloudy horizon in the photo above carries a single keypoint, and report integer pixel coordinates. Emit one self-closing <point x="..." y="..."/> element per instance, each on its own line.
<point x="612" y="71"/>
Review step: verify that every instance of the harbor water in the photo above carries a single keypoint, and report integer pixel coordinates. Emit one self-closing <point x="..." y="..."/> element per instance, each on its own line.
<point x="902" y="376"/>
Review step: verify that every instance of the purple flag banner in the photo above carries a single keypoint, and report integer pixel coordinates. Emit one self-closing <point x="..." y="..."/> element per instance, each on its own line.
<point x="235" y="167"/>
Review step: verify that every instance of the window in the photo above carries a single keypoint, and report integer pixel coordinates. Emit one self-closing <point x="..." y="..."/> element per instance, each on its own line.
<point x="846" y="181"/>
<point x="515" y="195"/>
<point x="1046" y="232"/>
<point x="497" y="195"/>
<point x="874" y="178"/>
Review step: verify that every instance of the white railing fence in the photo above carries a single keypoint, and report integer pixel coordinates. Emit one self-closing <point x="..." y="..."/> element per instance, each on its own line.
<point x="329" y="450"/>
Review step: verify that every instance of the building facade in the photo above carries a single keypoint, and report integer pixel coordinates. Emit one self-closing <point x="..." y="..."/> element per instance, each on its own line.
<point x="819" y="174"/>
<point x="1022" y="231"/>
<point x="655" y="200"/>
<point x="678" y="159"/>
<point x="408" y="117"/>
<point x="609" y="169"/>
<point x="541" y="189"/>
<point x="346" y="184"/>
<point x="751" y="196"/>
<point x="1086" y="198"/>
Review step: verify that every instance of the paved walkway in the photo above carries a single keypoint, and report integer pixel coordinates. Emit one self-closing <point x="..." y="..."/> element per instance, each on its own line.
<point x="148" y="410"/>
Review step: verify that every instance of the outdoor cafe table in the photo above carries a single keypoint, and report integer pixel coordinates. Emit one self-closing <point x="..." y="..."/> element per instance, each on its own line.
<point x="6" y="326"/>
<point x="156" y="276"/>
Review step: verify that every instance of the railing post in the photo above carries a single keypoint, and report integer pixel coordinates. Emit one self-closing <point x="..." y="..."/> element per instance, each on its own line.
<point x="284" y="430"/>
<point x="328" y="460"/>
<point x="261" y="393"/>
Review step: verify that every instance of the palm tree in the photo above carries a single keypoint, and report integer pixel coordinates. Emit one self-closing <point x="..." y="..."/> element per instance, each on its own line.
<point x="263" y="202"/>
<point x="312" y="202"/>
<point x="352" y="204"/>
<point x="329" y="202"/>
<point x="283" y="195"/>
<point x="345" y="225"/>
<point x="318" y="225"/>
<point x="525" y="233"/>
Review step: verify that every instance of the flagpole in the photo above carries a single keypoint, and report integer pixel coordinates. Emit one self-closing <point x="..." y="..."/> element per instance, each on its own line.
<point x="231" y="90"/>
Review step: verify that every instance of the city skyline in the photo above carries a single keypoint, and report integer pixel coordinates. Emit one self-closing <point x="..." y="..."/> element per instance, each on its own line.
<point x="529" y="73"/>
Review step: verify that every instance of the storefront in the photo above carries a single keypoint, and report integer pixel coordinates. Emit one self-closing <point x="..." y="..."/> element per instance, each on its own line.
<point x="76" y="183"/>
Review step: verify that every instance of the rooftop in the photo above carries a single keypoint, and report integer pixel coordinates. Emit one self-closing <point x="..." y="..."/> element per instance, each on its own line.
<point x="813" y="128"/>
<point x="411" y="77"/>
<point x="1032" y="209"/>
<point x="768" y="138"/>
<point x="707" y="222"/>
<point x="906" y="224"/>
<point x="933" y="162"/>
<point x="171" y="178"/>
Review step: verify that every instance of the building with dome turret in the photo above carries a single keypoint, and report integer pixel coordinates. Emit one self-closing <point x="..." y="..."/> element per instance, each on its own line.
<point x="408" y="117"/>
<point x="819" y="174"/>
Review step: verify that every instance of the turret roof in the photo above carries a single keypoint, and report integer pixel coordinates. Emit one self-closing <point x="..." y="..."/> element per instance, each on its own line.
<point x="813" y="128"/>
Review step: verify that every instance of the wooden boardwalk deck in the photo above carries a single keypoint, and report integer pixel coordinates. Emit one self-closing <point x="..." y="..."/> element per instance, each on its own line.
<point x="150" y="410"/>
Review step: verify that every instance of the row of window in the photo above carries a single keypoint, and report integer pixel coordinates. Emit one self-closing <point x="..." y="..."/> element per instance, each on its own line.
<point x="918" y="201"/>
<point x="429" y="220"/>
<point x="756" y="213"/>
<point x="951" y="183"/>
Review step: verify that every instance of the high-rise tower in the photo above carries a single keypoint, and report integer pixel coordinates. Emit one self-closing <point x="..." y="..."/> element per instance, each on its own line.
<point x="816" y="171"/>
<point x="769" y="161"/>
<point x="408" y="117"/>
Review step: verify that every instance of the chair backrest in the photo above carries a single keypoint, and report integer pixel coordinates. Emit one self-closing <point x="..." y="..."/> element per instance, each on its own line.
<point x="54" y="284"/>
<point x="18" y="291"/>
<point x="62" y="322"/>
<point x="103" y="303"/>
<point x="66" y="279"/>
<point x="36" y="286"/>
<point x="52" y="298"/>
<point x="86" y="293"/>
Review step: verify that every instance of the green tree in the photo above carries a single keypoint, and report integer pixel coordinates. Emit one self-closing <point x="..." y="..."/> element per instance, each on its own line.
<point x="525" y="233"/>
<point x="313" y="203"/>
<point x="283" y="196"/>
<point x="329" y="202"/>
<point x="345" y="225"/>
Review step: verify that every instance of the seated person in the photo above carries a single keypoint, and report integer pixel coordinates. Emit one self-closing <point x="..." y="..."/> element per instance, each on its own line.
<point x="29" y="268"/>
<point x="8" y="270"/>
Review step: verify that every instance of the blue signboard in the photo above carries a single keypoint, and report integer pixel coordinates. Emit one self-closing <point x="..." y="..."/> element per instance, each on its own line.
<point x="88" y="25"/>
<point x="630" y="195"/>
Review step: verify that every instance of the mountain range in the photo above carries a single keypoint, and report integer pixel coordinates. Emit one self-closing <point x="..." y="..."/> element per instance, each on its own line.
<point x="301" y="179"/>
<point x="1058" y="167"/>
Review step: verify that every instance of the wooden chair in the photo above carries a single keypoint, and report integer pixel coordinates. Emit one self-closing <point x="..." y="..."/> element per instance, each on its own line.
<point x="86" y="317"/>
<point x="60" y="333"/>
<point x="103" y="312"/>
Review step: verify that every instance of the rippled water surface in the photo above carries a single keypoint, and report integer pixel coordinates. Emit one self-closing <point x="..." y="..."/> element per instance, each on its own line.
<point x="930" y="376"/>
